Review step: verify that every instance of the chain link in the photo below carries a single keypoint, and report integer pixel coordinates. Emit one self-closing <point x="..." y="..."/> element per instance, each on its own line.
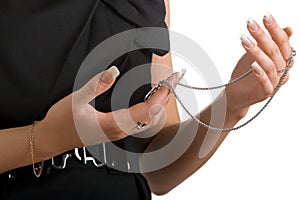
<point x="281" y="81"/>
<point x="219" y="86"/>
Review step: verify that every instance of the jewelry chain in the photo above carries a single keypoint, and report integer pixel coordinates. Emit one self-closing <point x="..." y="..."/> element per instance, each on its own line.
<point x="219" y="86"/>
<point x="37" y="167"/>
<point x="281" y="81"/>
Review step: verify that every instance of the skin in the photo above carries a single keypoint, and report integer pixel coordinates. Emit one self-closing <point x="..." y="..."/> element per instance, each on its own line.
<point x="57" y="132"/>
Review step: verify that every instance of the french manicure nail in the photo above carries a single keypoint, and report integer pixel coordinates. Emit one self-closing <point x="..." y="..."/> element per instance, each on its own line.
<point x="110" y="74"/>
<point x="173" y="79"/>
<point x="268" y="18"/>
<point x="246" y="41"/>
<point x="256" y="68"/>
<point x="181" y="74"/>
<point x="176" y="77"/>
<point x="114" y="71"/>
<point x="289" y="31"/>
<point x="252" y="25"/>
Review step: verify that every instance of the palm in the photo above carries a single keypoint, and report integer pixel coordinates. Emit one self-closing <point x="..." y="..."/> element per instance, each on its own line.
<point x="247" y="91"/>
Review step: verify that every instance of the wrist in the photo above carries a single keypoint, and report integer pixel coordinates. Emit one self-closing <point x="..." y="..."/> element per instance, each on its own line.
<point x="51" y="141"/>
<point x="232" y="110"/>
<point x="43" y="147"/>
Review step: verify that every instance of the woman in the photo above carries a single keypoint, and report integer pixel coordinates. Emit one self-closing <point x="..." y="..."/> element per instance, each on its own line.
<point x="43" y="47"/>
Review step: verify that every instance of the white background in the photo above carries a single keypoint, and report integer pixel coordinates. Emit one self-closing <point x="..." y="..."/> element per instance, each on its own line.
<point x="260" y="161"/>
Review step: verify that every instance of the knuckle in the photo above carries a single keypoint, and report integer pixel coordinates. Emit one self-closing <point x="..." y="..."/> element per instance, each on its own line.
<point x="256" y="52"/>
<point x="268" y="92"/>
<point x="101" y="87"/>
<point x="89" y="89"/>
<point x="274" y="51"/>
<point x="269" y="68"/>
<point x="260" y="33"/>
<point x="282" y="40"/>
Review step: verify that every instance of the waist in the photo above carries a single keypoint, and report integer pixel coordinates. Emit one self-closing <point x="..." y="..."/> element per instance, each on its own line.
<point x="97" y="156"/>
<point x="75" y="181"/>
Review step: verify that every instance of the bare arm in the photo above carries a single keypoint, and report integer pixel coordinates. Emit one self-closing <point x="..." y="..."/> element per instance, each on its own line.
<point x="56" y="133"/>
<point x="72" y="122"/>
<point x="15" y="149"/>
<point x="256" y="88"/>
<point x="168" y="177"/>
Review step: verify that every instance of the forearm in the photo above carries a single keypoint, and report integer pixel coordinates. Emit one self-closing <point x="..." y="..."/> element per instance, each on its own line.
<point x="203" y="145"/>
<point x="15" y="150"/>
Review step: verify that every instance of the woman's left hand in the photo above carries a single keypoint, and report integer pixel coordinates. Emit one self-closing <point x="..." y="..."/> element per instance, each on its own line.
<point x="270" y="54"/>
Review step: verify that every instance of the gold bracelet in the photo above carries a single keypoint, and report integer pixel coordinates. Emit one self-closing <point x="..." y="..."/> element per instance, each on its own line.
<point x="37" y="167"/>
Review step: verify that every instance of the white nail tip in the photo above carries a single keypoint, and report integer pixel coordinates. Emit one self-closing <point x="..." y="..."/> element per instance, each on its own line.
<point x="255" y="65"/>
<point x="244" y="37"/>
<point x="250" y="21"/>
<point x="267" y="15"/>
<point x="114" y="71"/>
<point x="182" y="73"/>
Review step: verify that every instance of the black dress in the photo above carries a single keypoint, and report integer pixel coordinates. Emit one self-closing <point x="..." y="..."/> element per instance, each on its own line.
<point x="42" y="45"/>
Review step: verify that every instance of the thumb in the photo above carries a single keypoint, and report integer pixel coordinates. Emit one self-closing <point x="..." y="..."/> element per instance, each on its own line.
<point x="97" y="85"/>
<point x="105" y="80"/>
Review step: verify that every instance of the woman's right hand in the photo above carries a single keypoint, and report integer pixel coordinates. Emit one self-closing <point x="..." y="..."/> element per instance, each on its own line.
<point x="73" y="122"/>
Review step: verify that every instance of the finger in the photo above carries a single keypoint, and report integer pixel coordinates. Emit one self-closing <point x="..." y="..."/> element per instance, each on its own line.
<point x="162" y="95"/>
<point x="280" y="37"/>
<point x="152" y="120"/>
<point x="97" y="85"/>
<point x="263" y="60"/>
<point x="143" y="116"/>
<point x="136" y="119"/>
<point x="263" y="79"/>
<point x="266" y="44"/>
<point x="288" y="30"/>
<point x="158" y="118"/>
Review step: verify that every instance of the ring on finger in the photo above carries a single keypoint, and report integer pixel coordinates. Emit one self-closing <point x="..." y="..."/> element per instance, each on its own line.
<point x="152" y="92"/>
<point x="141" y="125"/>
<point x="280" y="71"/>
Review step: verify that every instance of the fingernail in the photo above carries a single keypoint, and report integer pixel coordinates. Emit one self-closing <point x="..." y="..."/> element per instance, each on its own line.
<point x="256" y="68"/>
<point x="289" y="31"/>
<point x="246" y="41"/>
<point x="110" y="74"/>
<point x="182" y="73"/>
<point x="114" y="71"/>
<point x="252" y="25"/>
<point x="268" y="18"/>
<point x="176" y="77"/>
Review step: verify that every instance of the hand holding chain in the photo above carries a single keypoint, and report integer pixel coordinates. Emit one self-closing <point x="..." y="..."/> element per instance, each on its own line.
<point x="285" y="71"/>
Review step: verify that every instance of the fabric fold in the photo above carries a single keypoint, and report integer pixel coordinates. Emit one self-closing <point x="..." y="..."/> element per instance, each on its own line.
<point x="145" y="13"/>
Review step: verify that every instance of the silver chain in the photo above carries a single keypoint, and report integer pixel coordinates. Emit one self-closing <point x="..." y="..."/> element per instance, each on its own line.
<point x="219" y="86"/>
<point x="280" y="83"/>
